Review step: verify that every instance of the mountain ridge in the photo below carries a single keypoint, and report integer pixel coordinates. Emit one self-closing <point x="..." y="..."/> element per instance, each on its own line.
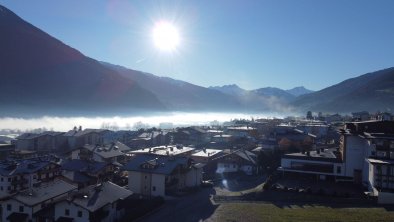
<point x="41" y="74"/>
<point x="372" y="91"/>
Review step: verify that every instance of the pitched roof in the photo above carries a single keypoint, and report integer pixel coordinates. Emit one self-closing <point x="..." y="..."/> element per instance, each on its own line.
<point x="101" y="195"/>
<point x="198" y="129"/>
<point x="108" y="150"/>
<point x="91" y="167"/>
<point x="44" y="192"/>
<point x="161" y="164"/>
<point x="207" y="152"/>
<point x="26" y="136"/>
<point x="84" y="132"/>
<point x="77" y="177"/>
<point x="36" y="135"/>
<point x="26" y="166"/>
<point x="244" y="154"/>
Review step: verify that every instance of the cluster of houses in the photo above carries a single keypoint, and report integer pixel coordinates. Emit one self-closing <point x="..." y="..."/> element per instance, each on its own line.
<point x="92" y="174"/>
<point x="355" y="116"/>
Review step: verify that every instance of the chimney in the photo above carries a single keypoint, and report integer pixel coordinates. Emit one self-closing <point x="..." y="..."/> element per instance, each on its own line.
<point x="308" y="153"/>
<point x="80" y="128"/>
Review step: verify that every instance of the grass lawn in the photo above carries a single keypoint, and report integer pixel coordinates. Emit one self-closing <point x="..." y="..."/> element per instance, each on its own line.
<point x="231" y="212"/>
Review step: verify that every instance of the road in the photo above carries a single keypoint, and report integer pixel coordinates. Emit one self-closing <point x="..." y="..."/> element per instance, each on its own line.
<point x="191" y="208"/>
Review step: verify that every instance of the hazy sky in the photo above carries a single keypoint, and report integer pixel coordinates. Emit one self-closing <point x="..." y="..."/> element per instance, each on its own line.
<point x="254" y="44"/>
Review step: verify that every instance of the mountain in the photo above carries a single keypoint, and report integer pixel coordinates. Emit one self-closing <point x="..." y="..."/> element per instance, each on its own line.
<point x="180" y="95"/>
<point x="299" y="91"/>
<point x="287" y="95"/>
<point x="184" y="96"/>
<point x="266" y="92"/>
<point x="275" y="92"/>
<point x="233" y="89"/>
<point x="40" y="74"/>
<point x="263" y="99"/>
<point x="371" y="92"/>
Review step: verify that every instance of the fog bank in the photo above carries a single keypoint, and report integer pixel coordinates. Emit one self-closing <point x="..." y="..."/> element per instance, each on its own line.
<point x="132" y="122"/>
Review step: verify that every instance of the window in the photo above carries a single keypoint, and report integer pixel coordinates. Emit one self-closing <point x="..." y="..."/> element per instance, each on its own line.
<point x="35" y="177"/>
<point x="79" y="213"/>
<point x="1" y="188"/>
<point x="146" y="177"/>
<point x="9" y="207"/>
<point x="154" y="188"/>
<point x="338" y="169"/>
<point x="67" y="212"/>
<point x="8" y="188"/>
<point x="21" y="209"/>
<point x="2" y="179"/>
<point x="381" y="154"/>
<point x="9" y="179"/>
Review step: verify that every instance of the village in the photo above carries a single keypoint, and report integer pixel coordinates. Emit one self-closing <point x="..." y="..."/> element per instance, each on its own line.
<point x="124" y="175"/>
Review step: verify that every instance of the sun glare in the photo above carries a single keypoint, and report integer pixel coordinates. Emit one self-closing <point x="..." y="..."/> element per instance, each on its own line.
<point x="165" y="36"/>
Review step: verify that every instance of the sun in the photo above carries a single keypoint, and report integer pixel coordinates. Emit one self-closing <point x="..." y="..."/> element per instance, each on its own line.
<point x="165" y="36"/>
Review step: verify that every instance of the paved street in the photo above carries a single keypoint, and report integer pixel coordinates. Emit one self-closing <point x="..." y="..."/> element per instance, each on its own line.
<point x="190" y="208"/>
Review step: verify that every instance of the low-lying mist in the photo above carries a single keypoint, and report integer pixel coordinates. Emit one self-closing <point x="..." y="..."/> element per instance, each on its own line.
<point x="117" y="122"/>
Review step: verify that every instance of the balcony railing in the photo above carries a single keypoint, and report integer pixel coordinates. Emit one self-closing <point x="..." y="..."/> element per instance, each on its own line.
<point x="19" y="181"/>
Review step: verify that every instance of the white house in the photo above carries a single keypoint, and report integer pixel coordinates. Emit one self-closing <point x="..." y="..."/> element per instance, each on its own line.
<point x="95" y="203"/>
<point x="30" y="204"/>
<point x="236" y="161"/>
<point x="322" y="163"/>
<point x="109" y="153"/>
<point x="156" y="175"/>
<point x="18" y="175"/>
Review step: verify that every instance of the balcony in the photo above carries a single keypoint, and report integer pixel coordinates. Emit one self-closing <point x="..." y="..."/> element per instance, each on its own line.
<point x="19" y="181"/>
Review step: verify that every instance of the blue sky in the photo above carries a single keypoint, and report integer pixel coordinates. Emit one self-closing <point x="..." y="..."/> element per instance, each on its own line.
<point x="254" y="44"/>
